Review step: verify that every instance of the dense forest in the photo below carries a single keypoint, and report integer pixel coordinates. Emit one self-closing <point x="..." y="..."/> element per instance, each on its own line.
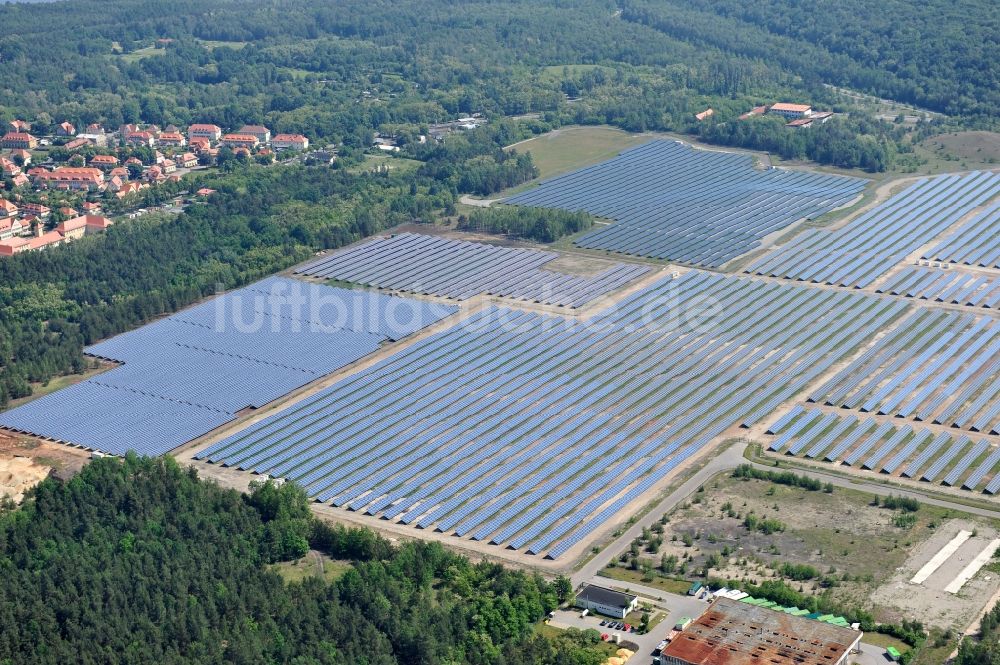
<point x="337" y="71"/>
<point x="138" y="561"/>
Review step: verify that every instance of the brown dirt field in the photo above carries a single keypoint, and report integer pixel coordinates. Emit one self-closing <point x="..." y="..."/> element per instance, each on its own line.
<point x="25" y="462"/>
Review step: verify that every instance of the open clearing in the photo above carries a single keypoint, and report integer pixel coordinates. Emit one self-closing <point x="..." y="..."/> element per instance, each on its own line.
<point x="25" y="462"/>
<point x="857" y="552"/>
<point x="571" y="148"/>
<point x="959" y="151"/>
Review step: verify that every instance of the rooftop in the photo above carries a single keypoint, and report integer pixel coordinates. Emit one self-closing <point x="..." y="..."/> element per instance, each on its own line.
<point x="738" y="633"/>
<point x="602" y="596"/>
<point x="796" y="108"/>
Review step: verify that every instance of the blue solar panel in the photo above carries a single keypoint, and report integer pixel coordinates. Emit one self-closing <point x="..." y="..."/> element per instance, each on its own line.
<point x="521" y="429"/>
<point x="877" y="240"/>
<point x="460" y="269"/>
<point x="185" y="375"/>
<point x="672" y="201"/>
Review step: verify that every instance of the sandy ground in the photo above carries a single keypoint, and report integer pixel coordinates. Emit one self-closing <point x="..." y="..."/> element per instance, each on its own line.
<point x="929" y="602"/>
<point x="26" y="461"/>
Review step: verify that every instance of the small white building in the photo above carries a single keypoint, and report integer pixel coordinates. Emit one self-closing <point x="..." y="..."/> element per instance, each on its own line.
<point x="791" y="111"/>
<point x="606" y="601"/>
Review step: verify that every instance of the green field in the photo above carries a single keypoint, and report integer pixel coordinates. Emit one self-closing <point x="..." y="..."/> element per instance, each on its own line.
<point x="139" y="54"/>
<point x="312" y="564"/>
<point x="571" y="148"/>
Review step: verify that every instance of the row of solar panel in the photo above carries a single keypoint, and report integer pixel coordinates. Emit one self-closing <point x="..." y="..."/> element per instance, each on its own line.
<point x="947" y="286"/>
<point x="875" y="241"/>
<point x="976" y="243"/>
<point x="460" y="269"/>
<point x="936" y="365"/>
<point x="531" y="432"/>
<point x="191" y="372"/>
<point x="671" y="201"/>
<point x="885" y="448"/>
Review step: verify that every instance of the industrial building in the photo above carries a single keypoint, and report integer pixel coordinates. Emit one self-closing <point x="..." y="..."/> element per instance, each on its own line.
<point x="739" y="633"/>
<point x="606" y="601"/>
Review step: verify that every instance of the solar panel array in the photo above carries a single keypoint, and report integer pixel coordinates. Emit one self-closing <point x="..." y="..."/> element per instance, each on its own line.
<point x="946" y="286"/>
<point x="460" y="269"/>
<point x="192" y="372"/>
<point x="875" y="241"/>
<point x="671" y="201"/>
<point x="531" y="431"/>
<point x="936" y="366"/>
<point x="937" y="457"/>
<point x="976" y="243"/>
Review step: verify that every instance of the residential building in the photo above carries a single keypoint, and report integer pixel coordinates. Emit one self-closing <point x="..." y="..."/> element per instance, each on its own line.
<point x="7" y="209"/>
<point x="77" y="143"/>
<point x="199" y="143"/>
<point x="173" y="139"/>
<point x="18" y="140"/>
<point x="50" y="239"/>
<point x="169" y="166"/>
<point x="13" y="246"/>
<point x="65" y="129"/>
<point x="127" y="188"/>
<point x="10" y="228"/>
<point x="790" y="111"/>
<point x="8" y="168"/>
<point x="24" y="156"/>
<point x="77" y="227"/>
<point x="606" y="601"/>
<point x="205" y="192"/>
<point x="36" y="209"/>
<point x="188" y="160"/>
<point x="261" y="133"/>
<point x="66" y="212"/>
<point x="240" y="141"/>
<point x="91" y="208"/>
<point x="118" y="172"/>
<point x="290" y="142"/>
<point x="133" y="161"/>
<point x="757" y="110"/>
<point x="140" y="138"/>
<point x="78" y="179"/>
<point x="104" y="161"/>
<point x="20" y="180"/>
<point x="19" y="126"/>
<point x="211" y="132"/>
<point x="738" y="633"/>
<point x="704" y="115"/>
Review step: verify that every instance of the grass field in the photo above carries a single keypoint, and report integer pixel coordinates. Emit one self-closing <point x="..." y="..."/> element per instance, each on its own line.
<point x="375" y="162"/>
<point x="571" y="148"/>
<point x="312" y="564"/>
<point x="959" y="151"/>
<point x="555" y="73"/>
<point x="139" y="54"/>
<point x="668" y="584"/>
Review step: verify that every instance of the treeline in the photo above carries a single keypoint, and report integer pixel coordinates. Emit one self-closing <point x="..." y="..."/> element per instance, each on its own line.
<point x="260" y="221"/>
<point x="540" y="224"/>
<point x="137" y="560"/>
<point x="750" y="472"/>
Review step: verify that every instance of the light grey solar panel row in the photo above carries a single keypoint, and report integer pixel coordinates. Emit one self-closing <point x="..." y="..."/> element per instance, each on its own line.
<point x="872" y="243"/>
<point x="525" y="434"/>
<point x="674" y="202"/>
<point x="193" y="371"/>
<point x="461" y="269"/>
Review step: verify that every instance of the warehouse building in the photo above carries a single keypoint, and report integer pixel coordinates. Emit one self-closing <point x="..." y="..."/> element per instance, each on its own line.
<point x="607" y="602"/>
<point x="791" y="111"/>
<point x="738" y="633"/>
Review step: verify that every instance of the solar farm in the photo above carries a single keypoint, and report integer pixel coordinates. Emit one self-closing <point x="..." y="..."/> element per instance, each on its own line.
<point x="460" y="269"/>
<point x="671" y="201"/>
<point x="478" y="392"/>
<point x="189" y="373"/>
